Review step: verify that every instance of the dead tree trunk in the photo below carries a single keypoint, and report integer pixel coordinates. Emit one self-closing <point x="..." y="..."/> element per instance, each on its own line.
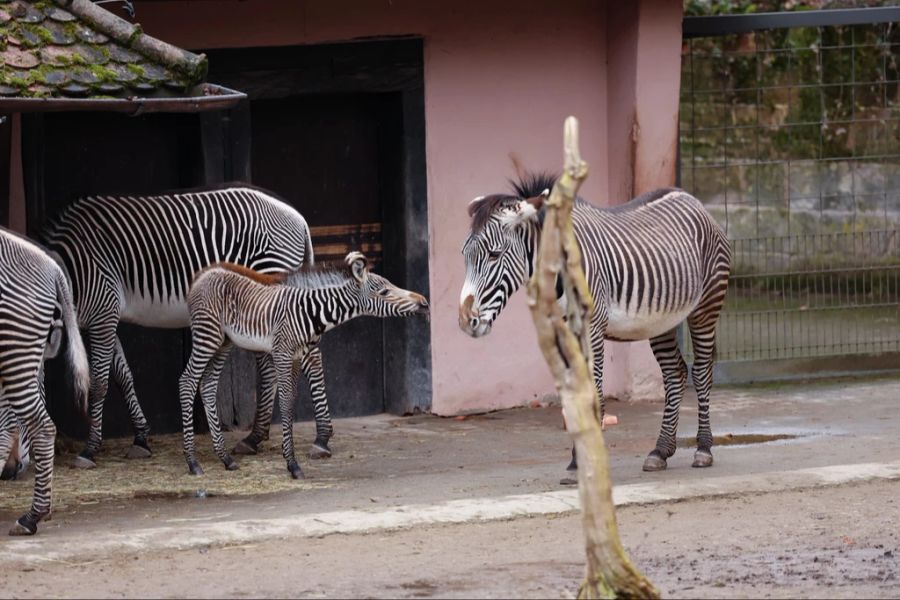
<point x="565" y="342"/>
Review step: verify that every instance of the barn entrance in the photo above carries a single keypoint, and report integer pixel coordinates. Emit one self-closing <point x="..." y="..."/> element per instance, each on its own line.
<point x="338" y="131"/>
<point x="328" y="155"/>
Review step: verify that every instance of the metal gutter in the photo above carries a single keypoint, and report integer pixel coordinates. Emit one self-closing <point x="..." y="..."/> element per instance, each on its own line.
<point x="745" y="23"/>
<point x="203" y="97"/>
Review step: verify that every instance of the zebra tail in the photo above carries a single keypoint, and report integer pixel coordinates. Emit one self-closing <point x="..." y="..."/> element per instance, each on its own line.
<point x="77" y="355"/>
<point x="309" y="258"/>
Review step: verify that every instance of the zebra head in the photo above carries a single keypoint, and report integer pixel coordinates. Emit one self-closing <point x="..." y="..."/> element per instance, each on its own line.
<point x="378" y="296"/>
<point x="499" y="252"/>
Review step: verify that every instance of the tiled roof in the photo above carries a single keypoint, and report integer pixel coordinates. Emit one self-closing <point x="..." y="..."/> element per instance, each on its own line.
<point x="76" y="49"/>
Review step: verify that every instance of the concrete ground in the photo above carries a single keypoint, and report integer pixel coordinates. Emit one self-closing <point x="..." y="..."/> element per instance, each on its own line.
<point x="423" y="506"/>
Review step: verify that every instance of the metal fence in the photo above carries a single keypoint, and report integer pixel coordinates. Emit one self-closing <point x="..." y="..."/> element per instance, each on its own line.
<point x="791" y="137"/>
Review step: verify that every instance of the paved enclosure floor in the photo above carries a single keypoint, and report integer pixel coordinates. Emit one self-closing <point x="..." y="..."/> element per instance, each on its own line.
<point x="383" y="463"/>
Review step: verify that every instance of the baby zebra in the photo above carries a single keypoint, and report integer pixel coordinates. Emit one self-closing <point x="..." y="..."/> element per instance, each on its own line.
<point x="284" y="315"/>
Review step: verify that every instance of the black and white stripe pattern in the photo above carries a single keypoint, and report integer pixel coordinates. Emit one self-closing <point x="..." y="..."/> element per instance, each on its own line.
<point x="132" y="258"/>
<point x="650" y="264"/>
<point x="231" y="306"/>
<point x="34" y="299"/>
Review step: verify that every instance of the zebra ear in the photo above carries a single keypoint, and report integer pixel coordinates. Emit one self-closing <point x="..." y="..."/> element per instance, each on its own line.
<point x="538" y="201"/>
<point x="358" y="263"/>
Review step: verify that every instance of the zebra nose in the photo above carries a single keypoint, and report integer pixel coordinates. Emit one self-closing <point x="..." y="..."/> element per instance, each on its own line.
<point x="468" y="316"/>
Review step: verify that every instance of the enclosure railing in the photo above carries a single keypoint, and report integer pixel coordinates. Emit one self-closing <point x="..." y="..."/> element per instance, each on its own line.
<point x="790" y="134"/>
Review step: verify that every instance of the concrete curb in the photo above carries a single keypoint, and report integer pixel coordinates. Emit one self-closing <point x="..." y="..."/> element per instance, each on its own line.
<point x="193" y="534"/>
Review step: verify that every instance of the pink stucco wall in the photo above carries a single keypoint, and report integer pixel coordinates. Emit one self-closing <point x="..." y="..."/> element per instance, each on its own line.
<point x="500" y="77"/>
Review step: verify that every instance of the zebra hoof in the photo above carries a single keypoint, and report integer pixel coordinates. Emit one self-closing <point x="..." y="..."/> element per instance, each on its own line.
<point x="23" y="526"/>
<point x="295" y="470"/>
<point x="84" y="461"/>
<point x="702" y="459"/>
<point x="194" y="468"/>
<point x="570" y="478"/>
<point x="137" y="451"/>
<point x="246" y="447"/>
<point x="319" y="450"/>
<point x="654" y="462"/>
<point x="230" y="464"/>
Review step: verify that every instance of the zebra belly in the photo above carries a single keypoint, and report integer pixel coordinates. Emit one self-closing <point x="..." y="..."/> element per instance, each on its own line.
<point x="149" y="313"/>
<point x="247" y="341"/>
<point x="626" y="326"/>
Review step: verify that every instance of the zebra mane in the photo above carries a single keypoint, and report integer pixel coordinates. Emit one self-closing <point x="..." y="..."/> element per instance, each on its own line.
<point x="528" y="185"/>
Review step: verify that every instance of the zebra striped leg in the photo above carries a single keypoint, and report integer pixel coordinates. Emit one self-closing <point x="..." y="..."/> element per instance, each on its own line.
<point x="598" y="335"/>
<point x="288" y="371"/>
<point x="665" y="349"/>
<point x="204" y="348"/>
<point x="103" y="344"/>
<point x="265" y="405"/>
<point x="314" y="371"/>
<point x="8" y="435"/>
<point x="703" y="336"/>
<point x="208" y="386"/>
<point x="22" y="392"/>
<point x="122" y="374"/>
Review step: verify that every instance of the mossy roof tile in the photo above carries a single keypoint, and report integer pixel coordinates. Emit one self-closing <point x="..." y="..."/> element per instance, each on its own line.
<point x="74" y="48"/>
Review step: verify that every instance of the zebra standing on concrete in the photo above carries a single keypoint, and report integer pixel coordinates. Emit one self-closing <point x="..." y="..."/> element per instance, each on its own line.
<point x="132" y="258"/>
<point x="650" y="264"/>
<point x="34" y="297"/>
<point x="283" y="315"/>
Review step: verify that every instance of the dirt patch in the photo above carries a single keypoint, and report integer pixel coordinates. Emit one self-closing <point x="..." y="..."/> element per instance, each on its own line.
<point x="829" y="542"/>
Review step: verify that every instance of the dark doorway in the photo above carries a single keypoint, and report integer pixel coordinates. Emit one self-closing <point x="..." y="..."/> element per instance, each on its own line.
<point x="333" y="157"/>
<point x="338" y="130"/>
<point x="69" y="155"/>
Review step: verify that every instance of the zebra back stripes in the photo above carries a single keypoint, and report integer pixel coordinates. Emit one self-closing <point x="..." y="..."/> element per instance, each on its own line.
<point x="650" y="264"/>
<point x="34" y="298"/>
<point x="282" y="316"/>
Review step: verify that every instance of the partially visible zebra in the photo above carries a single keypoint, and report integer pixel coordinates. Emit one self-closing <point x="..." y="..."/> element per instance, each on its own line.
<point x="281" y="315"/>
<point x="132" y="258"/>
<point x="34" y="298"/>
<point x="650" y="264"/>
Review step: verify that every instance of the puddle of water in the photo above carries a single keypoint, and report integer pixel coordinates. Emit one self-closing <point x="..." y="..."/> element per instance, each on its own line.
<point x="741" y="439"/>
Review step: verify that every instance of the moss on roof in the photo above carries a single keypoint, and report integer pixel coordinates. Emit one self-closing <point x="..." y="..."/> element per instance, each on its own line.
<point x="73" y="48"/>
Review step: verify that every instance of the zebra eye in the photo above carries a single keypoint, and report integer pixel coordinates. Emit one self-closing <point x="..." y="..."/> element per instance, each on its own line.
<point x="494" y="254"/>
<point x="383" y="292"/>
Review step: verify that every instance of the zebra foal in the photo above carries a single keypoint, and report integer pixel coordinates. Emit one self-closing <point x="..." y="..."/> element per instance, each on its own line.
<point x="34" y="301"/>
<point x="283" y="316"/>
<point x="651" y="263"/>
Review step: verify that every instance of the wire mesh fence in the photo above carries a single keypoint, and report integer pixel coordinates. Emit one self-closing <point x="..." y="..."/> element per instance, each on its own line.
<point x="791" y="137"/>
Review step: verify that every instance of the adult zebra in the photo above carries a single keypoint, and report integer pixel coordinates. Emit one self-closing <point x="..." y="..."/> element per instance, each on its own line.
<point x="132" y="259"/>
<point x="650" y="264"/>
<point x="34" y="298"/>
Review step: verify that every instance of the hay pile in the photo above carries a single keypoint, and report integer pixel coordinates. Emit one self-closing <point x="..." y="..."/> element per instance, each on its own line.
<point x="165" y="475"/>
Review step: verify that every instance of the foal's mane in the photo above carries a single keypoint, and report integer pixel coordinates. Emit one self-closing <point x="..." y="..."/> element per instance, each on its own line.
<point x="314" y="276"/>
<point x="527" y="186"/>
<point x="263" y="278"/>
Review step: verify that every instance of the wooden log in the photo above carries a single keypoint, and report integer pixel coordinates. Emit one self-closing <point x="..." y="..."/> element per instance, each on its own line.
<point x="565" y="343"/>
